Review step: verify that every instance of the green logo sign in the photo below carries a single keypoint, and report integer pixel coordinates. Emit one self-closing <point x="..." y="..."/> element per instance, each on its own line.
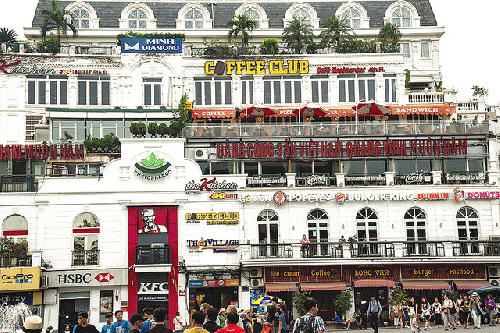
<point x="152" y="169"/>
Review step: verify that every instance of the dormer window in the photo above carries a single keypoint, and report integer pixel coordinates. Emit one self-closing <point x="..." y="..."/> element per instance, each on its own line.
<point x="401" y="17"/>
<point x="194" y="19"/>
<point x="352" y="17"/>
<point x="81" y="18"/>
<point x="137" y="19"/>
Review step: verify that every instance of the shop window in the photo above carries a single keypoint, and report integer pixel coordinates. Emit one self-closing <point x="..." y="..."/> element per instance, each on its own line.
<point x="274" y="168"/>
<point x="283" y="90"/>
<point x="319" y="88"/>
<point x="366" y="222"/>
<point x="476" y="166"/>
<point x="152" y="91"/>
<point x="317" y="228"/>
<point x="356" y="88"/>
<point x="415" y="231"/>
<point x="352" y="17"/>
<point x="267" y="221"/>
<point x="467" y="225"/>
<point x="43" y="89"/>
<point x="424" y="50"/>
<point x="251" y="168"/>
<point x="390" y="88"/>
<point x="213" y="91"/>
<point x="137" y="19"/>
<point x="455" y="166"/>
<point x="93" y="90"/>
<point x="86" y="229"/>
<point x="247" y="84"/>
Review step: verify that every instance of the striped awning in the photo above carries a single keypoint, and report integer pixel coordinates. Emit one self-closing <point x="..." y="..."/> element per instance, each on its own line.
<point x="283" y="286"/>
<point x="471" y="284"/>
<point x="425" y="285"/>
<point x="374" y="283"/>
<point x="323" y="286"/>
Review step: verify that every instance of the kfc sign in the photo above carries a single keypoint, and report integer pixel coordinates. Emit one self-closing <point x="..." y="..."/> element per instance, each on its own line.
<point x="150" y="223"/>
<point x="153" y="288"/>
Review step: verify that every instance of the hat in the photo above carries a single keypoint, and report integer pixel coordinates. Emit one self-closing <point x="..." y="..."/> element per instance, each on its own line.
<point x="32" y="324"/>
<point x="363" y="302"/>
<point x="474" y="294"/>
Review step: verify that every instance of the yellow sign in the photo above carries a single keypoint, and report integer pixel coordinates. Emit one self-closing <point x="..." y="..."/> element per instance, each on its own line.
<point x="189" y="105"/>
<point x="25" y="278"/>
<point x="257" y="67"/>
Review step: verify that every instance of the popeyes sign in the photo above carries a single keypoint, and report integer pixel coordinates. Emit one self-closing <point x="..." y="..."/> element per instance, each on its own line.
<point x="257" y="67"/>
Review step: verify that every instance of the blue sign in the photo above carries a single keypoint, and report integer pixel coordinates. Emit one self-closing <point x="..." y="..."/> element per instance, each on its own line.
<point x="196" y="283"/>
<point x="151" y="45"/>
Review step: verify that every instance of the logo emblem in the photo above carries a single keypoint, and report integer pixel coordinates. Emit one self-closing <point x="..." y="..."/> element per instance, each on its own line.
<point x="104" y="277"/>
<point x="340" y="197"/>
<point x="279" y="198"/>
<point x="152" y="169"/>
<point x="459" y="195"/>
<point x="133" y="47"/>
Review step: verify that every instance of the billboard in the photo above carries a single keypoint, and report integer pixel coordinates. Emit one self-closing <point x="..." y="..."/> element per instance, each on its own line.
<point x="151" y="45"/>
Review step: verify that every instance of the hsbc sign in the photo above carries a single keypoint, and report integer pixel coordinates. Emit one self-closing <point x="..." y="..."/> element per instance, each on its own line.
<point x="83" y="278"/>
<point x="153" y="288"/>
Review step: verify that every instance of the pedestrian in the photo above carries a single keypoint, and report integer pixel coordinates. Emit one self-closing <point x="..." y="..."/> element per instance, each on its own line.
<point x="211" y="325"/>
<point x="83" y="324"/>
<point x="465" y="311"/>
<point x="475" y="309"/>
<point x="436" y="311"/>
<point x="373" y="313"/>
<point x="120" y="325"/>
<point x="459" y="310"/>
<point x="491" y="307"/>
<point x="256" y="321"/>
<point x="136" y="320"/>
<point x="159" y="315"/>
<point x="393" y="315"/>
<point x="426" y="313"/>
<point x="106" y="328"/>
<point x="406" y="315"/>
<point x="364" y="318"/>
<point x="178" y="323"/>
<point x="449" y="311"/>
<point x="197" y="320"/>
<point x="32" y="324"/>
<point x="232" y="327"/>
<point x="221" y="318"/>
<point x="150" y="321"/>
<point x="310" y="319"/>
<point x="412" y="307"/>
<point x="283" y="319"/>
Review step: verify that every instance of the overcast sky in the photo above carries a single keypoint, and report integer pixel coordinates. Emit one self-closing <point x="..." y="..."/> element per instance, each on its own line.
<point x="469" y="48"/>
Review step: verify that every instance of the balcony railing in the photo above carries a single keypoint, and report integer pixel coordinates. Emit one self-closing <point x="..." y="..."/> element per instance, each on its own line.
<point x="321" y="249"/>
<point x="476" y="248"/>
<point x="266" y="181"/>
<point x="13" y="259"/>
<point x="85" y="258"/>
<point x="273" y="250"/>
<point x="423" y="248"/>
<point x="18" y="183"/>
<point x="147" y="255"/>
<point x="381" y="128"/>
<point x="320" y="179"/>
<point x="373" y="249"/>
<point x="425" y="97"/>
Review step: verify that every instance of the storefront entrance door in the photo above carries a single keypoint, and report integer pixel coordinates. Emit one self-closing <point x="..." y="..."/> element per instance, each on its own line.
<point x="365" y="294"/>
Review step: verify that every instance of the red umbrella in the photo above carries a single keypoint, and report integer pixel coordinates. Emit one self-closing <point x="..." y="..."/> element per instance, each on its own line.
<point x="311" y="110"/>
<point x="257" y="111"/>
<point x="371" y="109"/>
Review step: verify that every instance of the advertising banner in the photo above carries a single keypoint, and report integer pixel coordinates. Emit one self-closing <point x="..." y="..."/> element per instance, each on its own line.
<point x="26" y="278"/>
<point x="151" y="45"/>
<point x="83" y="278"/>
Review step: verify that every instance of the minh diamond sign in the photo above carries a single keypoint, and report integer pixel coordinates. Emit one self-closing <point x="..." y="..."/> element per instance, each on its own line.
<point x="151" y="45"/>
<point x="152" y="168"/>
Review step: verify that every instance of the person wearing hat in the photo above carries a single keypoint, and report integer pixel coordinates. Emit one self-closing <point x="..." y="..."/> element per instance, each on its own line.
<point x="83" y="324"/>
<point x="32" y="324"/>
<point x="136" y="320"/>
<point x="475" y="309"/>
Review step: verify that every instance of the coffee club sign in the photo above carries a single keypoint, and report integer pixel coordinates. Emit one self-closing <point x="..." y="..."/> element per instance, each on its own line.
<point x="152" y="168"/>
<point x="213" y="218"/>
<point x="257" y="67"/>
<point x="340" y="149"/>
<point x="42" y="152"/>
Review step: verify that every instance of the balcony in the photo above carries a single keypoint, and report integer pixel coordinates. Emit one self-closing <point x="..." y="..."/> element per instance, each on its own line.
<point x="148" y="255"/>
<point x="423" y="249"/>
<point x="423" y="97"/>
<point x="476" y="248"/>
<point x="18" y="183"/>
<point x="85" y="258"/>
<point x="14" y="259"/>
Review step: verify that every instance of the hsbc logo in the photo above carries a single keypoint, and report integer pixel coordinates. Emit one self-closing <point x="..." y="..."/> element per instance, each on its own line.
<point x="104" y="277"/>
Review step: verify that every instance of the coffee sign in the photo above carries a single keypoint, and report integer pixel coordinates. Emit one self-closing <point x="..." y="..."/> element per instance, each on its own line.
<point x="303" y="274"/>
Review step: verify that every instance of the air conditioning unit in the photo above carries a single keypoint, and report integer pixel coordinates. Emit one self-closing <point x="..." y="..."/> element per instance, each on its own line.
<point x="45" y="282"/>
<point x="256" y="283"/>
<point x="494" y="272"/>
<point x="256" y="272"/>
<point x="201" y="154"/>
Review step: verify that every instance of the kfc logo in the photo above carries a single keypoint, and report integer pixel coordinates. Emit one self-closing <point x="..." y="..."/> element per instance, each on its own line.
<point x="104" y="277"/>
<point x="148" y="223"/>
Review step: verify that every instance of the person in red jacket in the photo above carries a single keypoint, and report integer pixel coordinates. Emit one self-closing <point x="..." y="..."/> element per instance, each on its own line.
<point x="232" y="327"/>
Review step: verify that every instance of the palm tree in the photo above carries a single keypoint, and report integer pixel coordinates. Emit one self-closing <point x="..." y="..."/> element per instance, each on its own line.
<point x="7" y="36"/>
<point x="241" y="24"/>
<point x="56" y="19"/>
<point x="335" y="32"/>
<point x="389" y="34"/>
<point x="297" y="35"/>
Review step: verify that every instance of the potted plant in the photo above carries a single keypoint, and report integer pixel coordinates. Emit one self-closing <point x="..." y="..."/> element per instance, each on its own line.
<point x="384" y="317"/>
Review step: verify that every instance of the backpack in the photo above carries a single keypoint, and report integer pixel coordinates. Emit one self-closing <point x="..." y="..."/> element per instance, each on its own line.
<point x="305" y="326"/>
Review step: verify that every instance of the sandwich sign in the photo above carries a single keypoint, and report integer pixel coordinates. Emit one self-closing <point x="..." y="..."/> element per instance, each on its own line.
<point x="151" y="45"/>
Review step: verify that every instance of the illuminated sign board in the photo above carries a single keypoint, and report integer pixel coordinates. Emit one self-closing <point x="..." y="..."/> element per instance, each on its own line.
<point x="257" y="67"/>
<point x="42" y="152"/>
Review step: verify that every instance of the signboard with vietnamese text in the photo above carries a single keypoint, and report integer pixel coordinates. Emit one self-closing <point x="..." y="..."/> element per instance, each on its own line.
<point x="368" y="272"/>
<point x="443" y="272"/>
<point x="42" y="152"/>
<point x="16" y="279"/>
<point x="303" y="274"/>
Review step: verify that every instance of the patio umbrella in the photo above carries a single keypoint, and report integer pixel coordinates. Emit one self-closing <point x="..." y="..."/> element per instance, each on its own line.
<point x="257" y="111"/>
<point x="371" y="109"/>
<point x="486" y="289"/>
<point x="312" y="110"/>
<point x="264" y="300"/>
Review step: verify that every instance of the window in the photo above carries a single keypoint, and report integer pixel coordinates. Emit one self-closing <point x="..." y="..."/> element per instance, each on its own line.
<point x="93" y="90"/>
<point x="366" y="221"/>
<point x="390" y="88"/>
<point x="405" y="49"/>
<point x="214" y="91"/>
<point x="424" y="50"/>
<point x="352" y="17"/>
<point x="356" y="88"/>
<point x="86" y="228"/>
<point x="467" y="225"/>
<point x="15" y="226"/>
<point x="193" y="19"/>
<point x="152" y="91"/>
<point x="247" y="90"/>
<point x="282" y="90"/>
<point x="302" y="14"/>
<point x="268" y="232"/>
<point x="137" y="19"/>
<point x="317" y="227"/>
<point x="415" y="231"/>
<point x="31" y="121"/>
<point x="401" y="17"/>
<point x="320" y="88"/>
<point x="81" y="18"/>
<point x="52" y="89"/>
<point x="253" y="15"/>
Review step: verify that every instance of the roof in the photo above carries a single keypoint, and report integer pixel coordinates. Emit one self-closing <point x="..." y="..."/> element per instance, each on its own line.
<point x="109" y="12"/>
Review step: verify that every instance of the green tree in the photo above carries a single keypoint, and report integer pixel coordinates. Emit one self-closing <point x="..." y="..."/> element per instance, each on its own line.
<point x="479" y="91"/>
<point x="342" y="303"/>
<point x="299" y="298"/>
<point x="58" y="20"/>
<point x="153" y="129"/>
<point x="241" y="24"/>
<point x="399" y="295"/>
<point x="389" y="36"/>
<point x="297" y="35"/>
<point x="8" y="36"/>
<point x="335" y="32"/>
<point x="269" y="46"/>
<point x="181" y="119"/>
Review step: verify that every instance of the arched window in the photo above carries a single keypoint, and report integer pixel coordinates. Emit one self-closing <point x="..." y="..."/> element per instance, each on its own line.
<point x="468" y="229"/>
<point x="401" y="17"/>
<point x="84" y="15"/>
<point x="352" y="17"/>
<point x="193" y="19"/>
<point x="81" y="18"/>
<point x="253" y="15"/>
<point x="366" y="222"/>
<point x="137" y="16"/>
<point x="254" y="12"/>
<point x="402" y="14"/>
<point x="317" y="228"/>
<point x="137" y="19"/>
<point x="302" y="14"/>
<point x="193" y="16"/>
<point x="86" y="229"/>
<point x="415" y="231"/>
<point x="15" y="226"/>
<point x="268" y="232"/>
<point x="302" y="11"/>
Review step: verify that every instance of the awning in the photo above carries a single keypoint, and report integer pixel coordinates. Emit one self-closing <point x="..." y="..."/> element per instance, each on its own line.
<point x="423" y="109"/>
<point x="213" y="113"/>
<point x="471" y="284"/>
<point x="373" y="283"/>
<point x="283" y="286"/>
<point x="323" y="286"/>
<point x="425" y="285"/>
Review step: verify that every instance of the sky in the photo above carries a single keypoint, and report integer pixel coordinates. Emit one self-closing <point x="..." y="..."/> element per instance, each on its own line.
<point x="469" y="49"/>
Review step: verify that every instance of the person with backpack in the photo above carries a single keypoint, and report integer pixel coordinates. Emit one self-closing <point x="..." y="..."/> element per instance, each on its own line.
<point x="310" y="322"/>
<point x="373" y="313"/>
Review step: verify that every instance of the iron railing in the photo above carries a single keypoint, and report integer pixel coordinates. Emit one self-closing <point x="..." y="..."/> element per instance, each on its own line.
<point x="271" y="250"/>
<point x="423" y="248"/>
<point x="18" y="183"/>
<point x="322" y="249"/>
<point x="13" y="259"/>
<point x="476" y="248"/>
<point x="147" y="255"/>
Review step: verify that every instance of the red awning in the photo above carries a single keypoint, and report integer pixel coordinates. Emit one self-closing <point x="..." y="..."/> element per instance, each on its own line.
<point x="323" y="286"/>
<point x="471" y="284"/>
<point x="373" y="283"/>
<point x="423" y="109"/>
<point x="214" y="113"/>
<point x="425" y="285"/>
<point x="283" y="286"/>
